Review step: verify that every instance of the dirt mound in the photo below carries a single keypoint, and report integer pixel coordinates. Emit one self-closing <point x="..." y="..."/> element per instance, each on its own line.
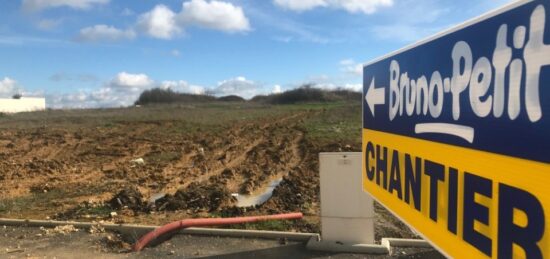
<point x="130" y="198"/>
<point x="196" y="197"/>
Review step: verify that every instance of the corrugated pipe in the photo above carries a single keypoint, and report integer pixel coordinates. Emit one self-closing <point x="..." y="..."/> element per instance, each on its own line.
<point x="143" y="241"/>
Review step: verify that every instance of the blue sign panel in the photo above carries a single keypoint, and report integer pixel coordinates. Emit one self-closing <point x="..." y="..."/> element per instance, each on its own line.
<point x="484" y="85"/>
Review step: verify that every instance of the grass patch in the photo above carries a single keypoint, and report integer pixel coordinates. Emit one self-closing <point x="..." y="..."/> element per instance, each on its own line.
<point x="46" y="201"/>
<point x="33" y="200"/>
<point x="335" y="123"/>
<point x="271" y="225"/>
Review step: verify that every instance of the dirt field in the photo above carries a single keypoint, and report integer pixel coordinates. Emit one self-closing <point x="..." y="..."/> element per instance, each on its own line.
<point x="92" y="165"/>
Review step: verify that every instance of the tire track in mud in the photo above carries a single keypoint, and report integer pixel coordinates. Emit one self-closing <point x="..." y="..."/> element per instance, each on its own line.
<point x="243" y="172"/>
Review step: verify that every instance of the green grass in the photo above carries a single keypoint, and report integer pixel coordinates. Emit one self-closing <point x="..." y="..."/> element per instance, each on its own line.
<point x="207" y="116"/>
<point x="32" y="200"/>
<point x="272" y="225"/>
<point x="335" y="124"/>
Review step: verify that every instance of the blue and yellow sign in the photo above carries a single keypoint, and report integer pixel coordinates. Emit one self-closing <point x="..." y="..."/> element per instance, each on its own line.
<point x="456" y="134"/>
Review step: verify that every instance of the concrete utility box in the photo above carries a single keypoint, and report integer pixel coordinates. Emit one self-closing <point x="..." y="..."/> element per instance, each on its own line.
<point x="347" y="213"/>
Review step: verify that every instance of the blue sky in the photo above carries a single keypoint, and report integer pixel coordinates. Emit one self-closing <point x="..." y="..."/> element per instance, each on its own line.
<point x="103" y="53"/>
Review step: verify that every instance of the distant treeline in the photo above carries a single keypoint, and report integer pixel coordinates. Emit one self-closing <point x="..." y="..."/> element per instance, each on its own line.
<point x="303" y="94"/>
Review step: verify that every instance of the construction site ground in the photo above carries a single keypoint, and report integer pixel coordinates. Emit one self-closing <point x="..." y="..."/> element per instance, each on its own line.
<point x="24" y="242"/>
<point x="156" y="164"/>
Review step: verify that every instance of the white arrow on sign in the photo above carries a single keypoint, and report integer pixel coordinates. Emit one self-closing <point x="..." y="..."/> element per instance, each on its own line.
<point x="375" y="96"/>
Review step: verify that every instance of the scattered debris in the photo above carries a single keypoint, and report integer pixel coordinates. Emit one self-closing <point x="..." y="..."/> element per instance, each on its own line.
<point x="156" y="197"/>
<point x="14" y="251"/>
<point x="116" y="243"/>
<point x="94" y="229"/>
<point x="138" y="161"/>
<point x="65" y="229"/>
<point x="129" y="197"/>
<point x="196" y="197"/>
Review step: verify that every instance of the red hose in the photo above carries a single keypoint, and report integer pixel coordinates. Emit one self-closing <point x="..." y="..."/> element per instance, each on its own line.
<point x="144" y="240"/>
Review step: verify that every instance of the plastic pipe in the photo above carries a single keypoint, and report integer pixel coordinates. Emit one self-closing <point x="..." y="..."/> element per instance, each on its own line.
<point x="143" y="241"/>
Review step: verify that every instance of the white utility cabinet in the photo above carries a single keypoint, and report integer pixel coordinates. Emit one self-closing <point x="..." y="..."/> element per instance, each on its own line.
<point x="347" y="212"/>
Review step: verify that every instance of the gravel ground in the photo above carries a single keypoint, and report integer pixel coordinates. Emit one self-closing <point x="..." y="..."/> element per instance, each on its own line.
<point x="66" y="242"/>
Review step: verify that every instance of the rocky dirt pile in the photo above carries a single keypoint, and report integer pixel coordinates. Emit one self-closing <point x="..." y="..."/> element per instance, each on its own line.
<point x="130" y="198"/>
<point x="64" y="230"/>
<point x="196" y="197"/>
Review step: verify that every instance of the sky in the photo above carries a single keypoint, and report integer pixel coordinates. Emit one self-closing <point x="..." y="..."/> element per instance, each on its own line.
<point x="104" y="53"/>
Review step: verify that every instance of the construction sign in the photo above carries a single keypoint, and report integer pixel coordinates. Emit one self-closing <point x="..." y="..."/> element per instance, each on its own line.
<point x="456" y="134"/>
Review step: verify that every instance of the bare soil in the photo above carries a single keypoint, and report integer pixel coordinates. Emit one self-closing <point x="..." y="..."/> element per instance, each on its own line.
<point x="107" y="164"/>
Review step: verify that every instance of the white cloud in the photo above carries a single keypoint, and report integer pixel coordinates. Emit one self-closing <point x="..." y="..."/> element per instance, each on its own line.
<point x="351" y="67"/>
<point x="38" y="5"/>
<point x="347" y="86"/>
<point x="103" y="32"/>
<point x="134" y="82"/>
<point x="216" y="15"/>
<point x="277" y="89"/>
<point x="80" y="99"/>
<point x="182" y="87"/>
<point x="122" y="90"/>
<point x="8" y="87"/>
<point x="163" y="23"/>
<point x="352" y="6"/>
<point x="332" y="83"/>
<point x="238" y="86"/>
<point x="300" y="5"/>
<point x="159" y="23"/>
<point x="103" y="97"/>
<point x="361" y="6"/>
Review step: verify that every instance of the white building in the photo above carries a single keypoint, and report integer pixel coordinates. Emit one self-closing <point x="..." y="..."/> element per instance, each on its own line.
<point x="23" y="104"/>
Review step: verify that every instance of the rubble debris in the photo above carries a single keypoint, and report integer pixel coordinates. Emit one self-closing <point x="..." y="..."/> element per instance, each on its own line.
<point x="129" y="197"/>
<point x="95" y="229"/>
<point x="65" y="229"/>
<point x="195" y="197"/>
<point x="114" y="242"/>
<point x="138" y="161"/>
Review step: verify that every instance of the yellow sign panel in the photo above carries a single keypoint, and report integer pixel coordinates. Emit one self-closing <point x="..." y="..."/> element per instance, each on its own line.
<point x="467" y="202"/>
